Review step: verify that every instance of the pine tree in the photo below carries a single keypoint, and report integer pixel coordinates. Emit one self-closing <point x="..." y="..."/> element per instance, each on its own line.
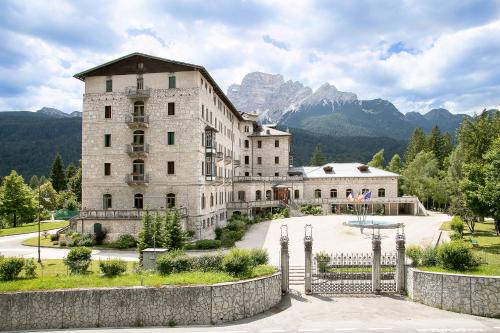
<point x="17" y="202"/>
<point x="395" y="164"/>
<point x="57" y="174"/>
<point x="416" y="144"/>
<point x="34" y="182"/>
<point x="175" y="237"/>
<point x="70" y="171"/>
<point x="317" y="158"/>
<point x="145" y="238"/>
<point x="378" y="160"/>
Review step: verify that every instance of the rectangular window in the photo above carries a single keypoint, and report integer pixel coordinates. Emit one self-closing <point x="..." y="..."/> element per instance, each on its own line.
<point x="276" y="143"/>
<point x="203" y="168"/>
<point x="259" y="160"/>
<point x="109" y="85"/>
<point x="107" y="169"/>
<point x="247" y="159"/>
<point x="276" y="160"/>
<point x="171" y="109"/>
<point x="107" y="140"/>
<point x="259" y="144"/>
<point x="107" y="112"/>
<point x="170" y="168"/>
<point x="171" y="138"/>
<point x="171" y="82"/>
<point x="276" y="174"/>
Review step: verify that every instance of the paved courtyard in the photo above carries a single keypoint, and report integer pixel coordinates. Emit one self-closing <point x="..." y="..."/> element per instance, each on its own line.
<point x="329" y="234"/>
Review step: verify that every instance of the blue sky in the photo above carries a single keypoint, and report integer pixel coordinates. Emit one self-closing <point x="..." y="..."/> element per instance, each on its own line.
<point x="417" y="54"/>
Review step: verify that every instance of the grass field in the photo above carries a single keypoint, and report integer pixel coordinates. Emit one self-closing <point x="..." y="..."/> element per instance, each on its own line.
<point x="46" y="242"/>
<point x="56" y="276"/>
<point x="489" y="269"/>
<point x="32" y="227"/>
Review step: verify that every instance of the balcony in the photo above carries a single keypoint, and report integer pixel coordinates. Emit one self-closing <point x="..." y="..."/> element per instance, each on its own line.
<point x="219" y="156"/>
<point x="211" y="149"/>
<point x="228" y="159"/>
<point x="135" y="93"/>
<point x="236" y="163"/>
<point x="136" y="151"/>
<point x="135" y="179"/>
<point x="137" y="121"/>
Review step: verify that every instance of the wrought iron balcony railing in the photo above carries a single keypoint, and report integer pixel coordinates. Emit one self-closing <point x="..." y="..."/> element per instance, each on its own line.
<point x="135" y="150"/>
<point x="137" y="179"/>
<point x="137" y="121"/>
<point x="134" y="92"/>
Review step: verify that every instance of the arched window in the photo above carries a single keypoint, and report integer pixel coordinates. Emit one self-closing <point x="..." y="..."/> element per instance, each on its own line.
<point x="247" y="144"/>
<point x="138" y="170"/>
<point x="107" y="201"/>
<point x="241" y="195"/>
<point x="268" y="195"/>
<point x="258" y="195"/>
<point x="348" y="191"/>
<point x="170" y="200"/>
<point x="211" y="199"/>
<point x="138" y="109"/>
<point x="317" y="193"/>
<point x="212" y="221"/>
<point x="296" y="194"/>
<point x="365" y="190"/>
<point x="381" y="192"/>
<point x="138" y="201"/>
<point x="203" y="201"/>
<point x="138" y="138"/>
<point x="333" y="193"/>
<point x="203" y="223"/>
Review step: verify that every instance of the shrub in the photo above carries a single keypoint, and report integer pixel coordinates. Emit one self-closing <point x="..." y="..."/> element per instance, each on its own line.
<point x="456" y="255"/>
<point x="311" y="209"/>
<point x="173" y="262"/>
<point x="429" y="256"/>
<point x="113" y="267"/>
<point x="208" y="262"/>
<point x="78" y="260"/>
<point x="237" y="262"/>
<point x="125" y="241"/>
<point x="414" y="252"/>
<point x="85" y="242"/>
<point x="218" y="233"/>
<point x="229" y="237"/>
<point x="54" y="237"/>
<point x="10" y="268"/>
<point x="259" y="257"/>
<point x="457" y="225"/>
<point x="456" y="236"/>
<point x="204" y="244"/>
<point x="236" y="225"/>
<point x="30" y="269"/>
<point x="62" y="243"/>
<point x="323" y="260"/>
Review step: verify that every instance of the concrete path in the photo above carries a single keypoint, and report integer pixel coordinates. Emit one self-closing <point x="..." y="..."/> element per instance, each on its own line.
<point x="305" y="314"/>
<point x="329" y="234"/>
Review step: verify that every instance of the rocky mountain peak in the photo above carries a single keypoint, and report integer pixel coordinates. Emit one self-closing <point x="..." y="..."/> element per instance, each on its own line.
<point x="328" y="92"/>
<point x="52" y="112"/>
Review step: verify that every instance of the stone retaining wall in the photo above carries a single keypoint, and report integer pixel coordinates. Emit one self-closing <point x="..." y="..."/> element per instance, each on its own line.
<point x="138" y="306"/>
<point x="477" y="295"/>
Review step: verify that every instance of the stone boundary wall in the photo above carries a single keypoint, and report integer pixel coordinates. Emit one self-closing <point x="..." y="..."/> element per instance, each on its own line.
<point x="471" y="294"/>
<point x="138" y="306"/>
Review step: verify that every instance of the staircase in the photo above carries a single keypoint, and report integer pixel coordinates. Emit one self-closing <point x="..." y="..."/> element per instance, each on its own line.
<point x="296" y="275"/>
<point x="294" y="209"/>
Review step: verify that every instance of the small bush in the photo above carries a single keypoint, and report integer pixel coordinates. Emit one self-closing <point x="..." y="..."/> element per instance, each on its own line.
<point x="208" y="262"/>
<point x="311" y="210"/>
<point x="62" y="243"/>
<point x="456" y="236"/>
<point x="10" y="268"/>
<point x="218" y="233"/>
<point x="457" y="225"/>
<point x="259" y="257"/>
<point x="78" y="260"/>
<point x="236" y="225"/>
<point x="429" y="256"/>
<point x="414" y="252"/>
<point x="229" y="237"/>
<point x="54" y="237"/>
<point x="204" y="244"/>
<point x="30" y="269"/>
<point x="237" y="262"/>
<point x="456" y="255"/>
<point x="85" y="242"/>
<point x="173" y="262"/>
<point x="323" y="260"/>
<point x="113" y="267"/>
<point x="125" y="241"/>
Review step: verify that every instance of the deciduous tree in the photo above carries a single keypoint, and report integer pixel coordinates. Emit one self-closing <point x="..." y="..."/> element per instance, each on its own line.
<point x="17" y="203"/>
<point x="378" y="160"/>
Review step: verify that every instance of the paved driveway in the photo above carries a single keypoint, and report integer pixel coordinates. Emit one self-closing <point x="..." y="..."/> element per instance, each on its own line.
<point x="329" y="234"/>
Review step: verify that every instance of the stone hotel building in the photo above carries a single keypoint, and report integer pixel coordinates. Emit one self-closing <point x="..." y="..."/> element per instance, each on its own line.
<point x="162" y="134"/>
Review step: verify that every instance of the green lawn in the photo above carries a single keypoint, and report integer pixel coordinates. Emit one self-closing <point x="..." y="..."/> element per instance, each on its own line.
<point x="481" y="270"/>
<point x="32" y="227"/>
<point x="56" y="276"/>
<point x="46" y="242"/>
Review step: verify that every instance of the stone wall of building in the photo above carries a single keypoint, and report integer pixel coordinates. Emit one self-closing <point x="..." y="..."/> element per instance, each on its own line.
<point x="138" y="306"/>
<point x="477" y="295"/>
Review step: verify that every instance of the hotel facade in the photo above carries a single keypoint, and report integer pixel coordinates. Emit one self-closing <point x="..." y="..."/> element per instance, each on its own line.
<point x="161" y="134"/>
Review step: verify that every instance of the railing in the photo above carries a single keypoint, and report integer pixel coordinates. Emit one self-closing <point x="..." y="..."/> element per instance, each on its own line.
<point x="134" y="179"/>
<point x="236" y="163"/>
<point x="377" y="200"/>
<point x="251" y="204"/>
<point x="134" y="149"/>
<point x="137" y="120"/>
<point x="241" y="179"/>
<point x="219" y="155"/>
<point x="126" y="213"/>
<point x="228" y="159"/>
<point x="134" y="92"/>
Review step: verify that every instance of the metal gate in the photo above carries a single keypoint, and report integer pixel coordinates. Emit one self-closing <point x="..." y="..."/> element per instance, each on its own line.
<point x="351" y="273"/>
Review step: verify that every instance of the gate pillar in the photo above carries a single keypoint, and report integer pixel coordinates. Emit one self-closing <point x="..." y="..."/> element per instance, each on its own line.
<point x="400" y="263"/>
<point x="285" y="260"/>
<point x="376" y="262"/>
<point x="308" y="259"/>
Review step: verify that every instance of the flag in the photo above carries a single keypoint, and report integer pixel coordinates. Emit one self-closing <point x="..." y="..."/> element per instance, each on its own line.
<point x="350" y="197"/>
<point x="367" y="195"/>
<point x="360" y="198"/>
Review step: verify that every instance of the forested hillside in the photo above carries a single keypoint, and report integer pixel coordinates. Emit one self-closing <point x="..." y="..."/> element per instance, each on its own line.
<point x="30" y="140"/>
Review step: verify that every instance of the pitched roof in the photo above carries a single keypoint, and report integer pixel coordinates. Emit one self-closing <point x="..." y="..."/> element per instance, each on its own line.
<point x="269" y="130"/>
<point x="128" y="65"/>
<point x="341" y="170"/>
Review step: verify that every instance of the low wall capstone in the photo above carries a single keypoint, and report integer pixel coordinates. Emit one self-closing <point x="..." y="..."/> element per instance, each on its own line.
<point x="471" y="294"/>
<point x="138" y="306"/>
